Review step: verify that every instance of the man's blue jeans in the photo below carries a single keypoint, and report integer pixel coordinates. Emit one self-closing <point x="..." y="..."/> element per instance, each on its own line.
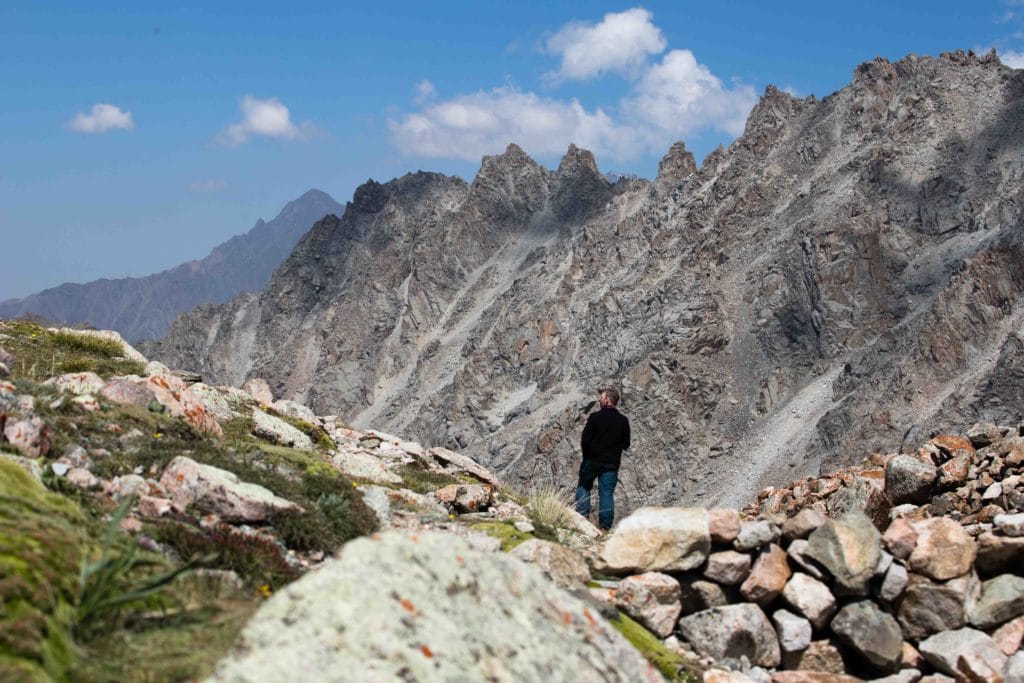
<point x="606" y="481"/>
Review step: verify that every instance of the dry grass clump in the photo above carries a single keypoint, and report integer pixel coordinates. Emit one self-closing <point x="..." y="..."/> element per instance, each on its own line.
<point x="551" y="508"/>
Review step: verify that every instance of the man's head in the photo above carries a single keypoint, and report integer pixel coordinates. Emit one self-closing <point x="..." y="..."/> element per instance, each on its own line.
<point x="609" y="397"/>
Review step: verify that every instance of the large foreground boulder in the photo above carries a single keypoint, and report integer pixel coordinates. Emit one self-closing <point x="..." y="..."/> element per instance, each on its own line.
<point x="659" y="539"/>
<point x="428" y="607"/>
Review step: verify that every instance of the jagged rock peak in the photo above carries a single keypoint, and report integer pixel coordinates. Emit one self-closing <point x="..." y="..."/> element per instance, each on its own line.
<point x="677" y="163"/>
<point x="512" y="158"/>
<point x="577" y="160"/>
<point x="370" y="197"/>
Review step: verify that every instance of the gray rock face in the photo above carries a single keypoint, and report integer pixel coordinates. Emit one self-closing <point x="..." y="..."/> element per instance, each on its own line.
<point x="909" y="479"/>
<point x="758" y="306"/>
<point x="564" y="566"/>
<point x="1002" y="599"/>
<point x="872" y="633"/>
<point x="728" y="633"/>
<point x="143" y="307"/>
<point x="966" y="654"/>
<point x="849" y="548"/>
<point x="929" y="607"/>
<point x="429" y="609"/>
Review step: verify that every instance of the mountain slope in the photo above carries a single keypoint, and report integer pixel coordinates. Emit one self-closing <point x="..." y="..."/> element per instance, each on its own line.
<point x="848" y="272"/>
<point x="143" y="307"/>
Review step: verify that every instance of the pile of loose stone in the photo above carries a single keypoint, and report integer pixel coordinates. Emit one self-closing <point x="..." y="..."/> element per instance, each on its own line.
<point x="908" y="568"/>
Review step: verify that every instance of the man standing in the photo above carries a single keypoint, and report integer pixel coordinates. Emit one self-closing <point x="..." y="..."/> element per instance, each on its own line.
<point x="605" y="436"/>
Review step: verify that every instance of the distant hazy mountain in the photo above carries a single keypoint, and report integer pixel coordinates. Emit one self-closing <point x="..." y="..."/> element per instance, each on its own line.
<point x="143" y="308"/>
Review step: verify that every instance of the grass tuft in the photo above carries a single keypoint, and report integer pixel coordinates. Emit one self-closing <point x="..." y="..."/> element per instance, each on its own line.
<point x="86" y="343"/>
<point x="551" y="509"/>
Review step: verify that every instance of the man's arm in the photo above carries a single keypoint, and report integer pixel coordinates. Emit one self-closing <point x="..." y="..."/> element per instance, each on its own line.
<point x="626" y="440"/>
<point x="587" y="436"/>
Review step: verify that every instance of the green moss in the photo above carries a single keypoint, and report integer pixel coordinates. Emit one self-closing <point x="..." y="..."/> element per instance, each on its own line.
<point x="41" y="548"/>
<point x="318" y="435"/>
<point x="506" y="532"/>
<point x="673" y="666"/>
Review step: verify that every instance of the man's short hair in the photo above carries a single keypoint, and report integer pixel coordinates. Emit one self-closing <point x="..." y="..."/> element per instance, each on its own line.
<point x="613" y="396"/>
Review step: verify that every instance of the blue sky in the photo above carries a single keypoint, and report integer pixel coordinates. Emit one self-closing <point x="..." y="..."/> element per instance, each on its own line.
<point x="133" y="139"/>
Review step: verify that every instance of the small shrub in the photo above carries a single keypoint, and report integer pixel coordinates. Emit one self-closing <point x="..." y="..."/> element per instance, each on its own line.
<point x="259" y="561"/>
<point x="305" y="529"/>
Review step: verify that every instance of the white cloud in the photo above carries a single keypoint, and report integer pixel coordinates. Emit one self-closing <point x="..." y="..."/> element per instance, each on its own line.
<point x="1013" y="59"/>
<point x="208" y="185"/>
<point x="621" y="43"/>
<point x="100" y="119"/>
<point x="470" y="126"/>
<point x="675" y="98"/>
<point x="424" y="91"/>
<point x="269" y="118"/>
<point x="680" y="96"/>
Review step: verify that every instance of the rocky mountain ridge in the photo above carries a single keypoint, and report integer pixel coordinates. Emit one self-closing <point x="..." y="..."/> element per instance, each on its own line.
<point x="143" y="307"/>
<point x="846" y="275"/>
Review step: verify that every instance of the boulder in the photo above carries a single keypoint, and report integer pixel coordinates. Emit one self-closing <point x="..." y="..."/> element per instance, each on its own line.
<point x="1010" y="525"/>
<point x="849" y="549"/>
<point x="810" y="598"/>
<point x="955" y="471"/>
<point x="966" y="654"/>
<point x="259" y="390"/>
<point x="32" y="437"/>
<point x="128" y="391"/>
<point x="820" y="656"/>
<point x="564" y="566"/>
<point x="900" y="538"/>
<point x="457" y="462"/>
<point x="871" y="633"/>
<point x="1009" y="636"/>
<point x="801" y="524"/>
<point x="465" y="498"/>
<point x="429" y="607"/>
<point x="997" y="554"/>
<point x="909" y="479"/>
<point x="894" y="583"/>
<point x="294" y="409"/>
<point x="812" y="677"/>
<point x="797" y="553"/>
<point x="219" y="492"/>
<point x="78" y="382"/>
<point x="276" y="430"/>
<point x="179" y="401"/>
<point x="929" y="607"/>
<point x="723" y="524"/>
<point x="768" y="577"/>
<point x="1015" y="668"/>
<point x="727" y="567"/>
<point x="756" y="534"/>
<point x="701" y="595"/>
<point x="653" y="599"/>
<point x="658" y="539"/>
<point x="728" y="633"/>
<point x="214" y="401"/>
<point x="794" y="632"/>
<point x="361" y="466"/>
<point x="943" y="550"/>
<point x="863" y="495"/>
<point x="1002" y="599"/>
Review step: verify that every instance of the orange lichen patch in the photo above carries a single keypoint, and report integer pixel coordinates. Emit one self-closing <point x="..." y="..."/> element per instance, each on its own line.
<point x="566" y="618"/>
<point x="590" y="618"/>
<point x="414" y="539"/>
<point x="951" y="444"/>
<point x="460" y="559"/>
<point x="427" y="652"/>
<point x="407" y="606"/>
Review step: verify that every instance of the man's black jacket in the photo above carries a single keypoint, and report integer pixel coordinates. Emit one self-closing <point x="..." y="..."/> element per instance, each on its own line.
<point x="605" y="436"/>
